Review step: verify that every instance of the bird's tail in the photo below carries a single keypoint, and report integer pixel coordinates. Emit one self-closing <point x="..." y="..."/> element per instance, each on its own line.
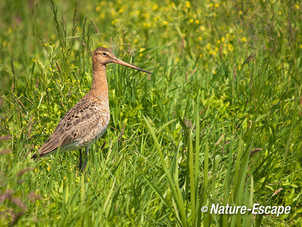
<point x="37" y="156"/>
<point x="34" y="156"/>
<point x="45" y="150"/>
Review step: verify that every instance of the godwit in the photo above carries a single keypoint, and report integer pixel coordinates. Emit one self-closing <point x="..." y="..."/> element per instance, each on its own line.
<point x="87" y="121"/>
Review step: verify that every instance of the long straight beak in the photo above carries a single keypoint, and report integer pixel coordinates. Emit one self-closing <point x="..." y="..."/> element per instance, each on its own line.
<point x="118" y="61"/>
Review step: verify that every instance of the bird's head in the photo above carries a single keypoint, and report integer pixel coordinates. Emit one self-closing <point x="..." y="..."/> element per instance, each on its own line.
<point x="103" y="56"/>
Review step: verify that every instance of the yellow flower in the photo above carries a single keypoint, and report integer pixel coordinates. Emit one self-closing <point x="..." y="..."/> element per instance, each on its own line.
<point x="64" y="178"/>
<point x="102" y="15"/>
<point x="199" y="38"/>
<point x="216" y="5"/>
<point x="121" y="10"/>
<point x="202" y="28"/>
<point x="155" y="7"/>
<point x="211" y="52"/>
<point x="164" y="23"/>
<point x="36" y="170"/>
<point x="98" y="8"/>
<point x="196" y="21"/>
<point x="113" y="13"/>
<point x="146" y="25"/>
<point x="222" y="38"/>
<point x="297" y="6"/>
<point x="300" y="46"/>
<point x="188" y="4"/>
<point x="115" y="21"/>
<point x="243" y="39"/>
<point x="240" y="12"/>
<point x="280" y="13"/>
<point x="48" y="168"/>
<point x="230" y="47"/>
<point x="191" y="20"/>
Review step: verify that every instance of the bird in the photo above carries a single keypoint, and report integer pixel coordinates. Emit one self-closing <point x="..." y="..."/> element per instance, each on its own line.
<point x="87" y="120"/>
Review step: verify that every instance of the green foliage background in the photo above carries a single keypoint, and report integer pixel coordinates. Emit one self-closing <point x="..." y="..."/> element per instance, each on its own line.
<point x="218" y="121"/>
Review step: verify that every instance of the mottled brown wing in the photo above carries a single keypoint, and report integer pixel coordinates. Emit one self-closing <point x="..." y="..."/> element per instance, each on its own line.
<point x="74" y="126"/>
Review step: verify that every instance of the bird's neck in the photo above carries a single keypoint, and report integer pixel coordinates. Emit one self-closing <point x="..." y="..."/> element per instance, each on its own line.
<point x="99" y="87"/>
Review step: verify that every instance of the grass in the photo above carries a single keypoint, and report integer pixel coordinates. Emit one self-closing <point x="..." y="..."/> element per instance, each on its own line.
<point x="218" y="121"/>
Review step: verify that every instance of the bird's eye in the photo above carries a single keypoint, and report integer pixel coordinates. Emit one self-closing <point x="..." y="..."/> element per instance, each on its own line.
<point x="104" y="54"/>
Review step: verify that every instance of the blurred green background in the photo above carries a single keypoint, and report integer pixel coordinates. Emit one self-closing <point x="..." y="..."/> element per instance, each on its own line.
<point x="218" y="121"/>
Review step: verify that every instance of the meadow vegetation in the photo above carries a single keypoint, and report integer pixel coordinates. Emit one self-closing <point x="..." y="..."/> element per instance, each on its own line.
<point x="217" y="122"/>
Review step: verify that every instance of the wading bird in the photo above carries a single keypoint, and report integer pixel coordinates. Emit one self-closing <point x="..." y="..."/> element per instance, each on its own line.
<point x="87" y="121"/>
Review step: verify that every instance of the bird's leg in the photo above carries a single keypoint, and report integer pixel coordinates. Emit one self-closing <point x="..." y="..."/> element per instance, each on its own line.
<point x="85" y="162"/>
<point x="80" y="159"/>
